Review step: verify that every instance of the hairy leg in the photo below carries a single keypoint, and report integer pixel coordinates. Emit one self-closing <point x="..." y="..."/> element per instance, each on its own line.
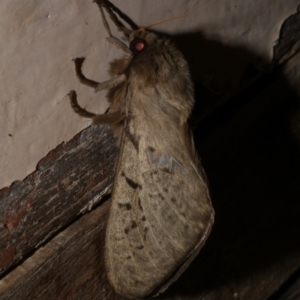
<point x="110" y="118"/>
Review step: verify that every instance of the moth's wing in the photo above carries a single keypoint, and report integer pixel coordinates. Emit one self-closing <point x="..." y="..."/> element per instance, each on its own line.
<point x="160" y="213"/>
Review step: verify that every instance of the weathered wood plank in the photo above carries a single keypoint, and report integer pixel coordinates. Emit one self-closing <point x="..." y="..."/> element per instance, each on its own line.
<point x="71" y="179"/>
<point x="71" y="266"/>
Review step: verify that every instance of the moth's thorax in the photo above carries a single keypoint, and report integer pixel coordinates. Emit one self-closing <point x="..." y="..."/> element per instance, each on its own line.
<point x="159" y="77"/>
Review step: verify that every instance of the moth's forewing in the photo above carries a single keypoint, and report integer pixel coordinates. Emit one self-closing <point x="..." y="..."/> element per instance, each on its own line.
<point x="161" y="212"/>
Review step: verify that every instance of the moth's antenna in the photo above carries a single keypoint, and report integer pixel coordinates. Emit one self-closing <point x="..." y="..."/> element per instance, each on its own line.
<point x="160" y="22"/>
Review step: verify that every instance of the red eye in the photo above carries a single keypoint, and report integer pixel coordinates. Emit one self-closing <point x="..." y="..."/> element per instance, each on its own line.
<point x="137" y="45"/>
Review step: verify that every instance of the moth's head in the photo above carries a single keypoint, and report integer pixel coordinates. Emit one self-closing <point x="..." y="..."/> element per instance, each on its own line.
<point x="140" y="39"/>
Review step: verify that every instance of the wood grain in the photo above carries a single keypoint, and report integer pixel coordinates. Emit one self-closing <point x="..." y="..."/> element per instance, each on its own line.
<point x="71" y="266"/>
<point x="70" y="180"/>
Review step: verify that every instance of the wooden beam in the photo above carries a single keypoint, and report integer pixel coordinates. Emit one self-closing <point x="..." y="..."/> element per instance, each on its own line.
<point x="69" y="181"/>
<point x="70" y="265"/>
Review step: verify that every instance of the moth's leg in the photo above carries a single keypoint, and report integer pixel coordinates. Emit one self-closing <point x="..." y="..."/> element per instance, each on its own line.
<point x="110" y="118"/>
<point x="77" y="108"/>
<point x="119" y="44"/>
<point x="109" y="84"/>
<point x="98" y="86"/>
<point x="106" y="4"/>
<point x="78" y="65"/>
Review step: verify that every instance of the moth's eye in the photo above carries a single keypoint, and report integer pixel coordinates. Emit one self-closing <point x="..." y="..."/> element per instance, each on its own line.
<point x="137" y="45"/>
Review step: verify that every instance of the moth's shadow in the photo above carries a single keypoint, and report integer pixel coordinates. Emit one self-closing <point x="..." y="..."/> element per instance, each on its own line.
<point x="252" y="161"/>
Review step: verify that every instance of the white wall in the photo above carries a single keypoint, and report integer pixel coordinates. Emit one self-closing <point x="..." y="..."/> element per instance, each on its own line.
<point x="39" y="38"/>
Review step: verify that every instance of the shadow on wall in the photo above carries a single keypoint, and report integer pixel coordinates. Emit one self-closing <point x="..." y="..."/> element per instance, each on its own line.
<point x="252" y="161"/>
<point x="219" y="71"/>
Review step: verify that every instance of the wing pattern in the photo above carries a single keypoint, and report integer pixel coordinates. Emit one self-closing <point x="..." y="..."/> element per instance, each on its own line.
<point x="160" y="208"/>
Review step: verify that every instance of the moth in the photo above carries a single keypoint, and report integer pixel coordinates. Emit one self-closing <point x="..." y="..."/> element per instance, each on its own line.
<point x="161" y="212"/>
